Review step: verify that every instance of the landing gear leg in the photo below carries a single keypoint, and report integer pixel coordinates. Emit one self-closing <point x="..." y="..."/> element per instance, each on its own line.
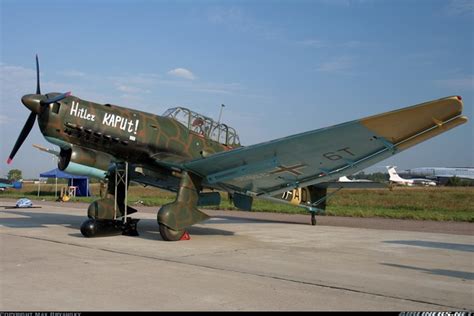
<point x="313" y="218"/>
<point x="173" y="218"/>
<point x="129" y="225"/>
<point x="108" y="216"/>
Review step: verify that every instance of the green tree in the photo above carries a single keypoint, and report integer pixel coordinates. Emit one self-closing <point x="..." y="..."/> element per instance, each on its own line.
<point x="14" y="175"/>
<point x="457" y="182"/>
<point x="453" y="182"/>
<point x="378" y="177"/>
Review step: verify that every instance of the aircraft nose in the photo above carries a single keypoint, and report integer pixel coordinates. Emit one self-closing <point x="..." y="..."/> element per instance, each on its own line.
<point x="32" y="102"/>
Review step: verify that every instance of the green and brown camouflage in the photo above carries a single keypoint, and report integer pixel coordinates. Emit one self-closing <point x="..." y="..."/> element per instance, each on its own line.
<point x="97" y="135"/>
<point x="183" y="211"/>
<point x="124" y="134"/>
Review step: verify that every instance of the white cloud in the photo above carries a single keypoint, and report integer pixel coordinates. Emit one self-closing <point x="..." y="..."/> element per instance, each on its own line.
<point x="182" y="73"/>
<point x="231" y="15"/>
<point x="137" y="79"/>
<point x="313" y="43"/>
<point x="17" y="80"/>
<point x="221" y="88"/>
<point x="466" y="83"/>
<point x="73" y="73"/>
<point x="206" y="87"/>
<point x="337" y="65"/>
<point x="328" y="44"/>
<point x="352" y="44"/>
<point x="130" y="89"/>
<point x="238" y="20"/>
<point x="5" y="119"/>
<point x="346" y="3"/>
<point x="460" y="7"/>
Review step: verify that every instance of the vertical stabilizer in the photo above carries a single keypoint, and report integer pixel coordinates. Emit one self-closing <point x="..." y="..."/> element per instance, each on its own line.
<point x="394" y="175"/>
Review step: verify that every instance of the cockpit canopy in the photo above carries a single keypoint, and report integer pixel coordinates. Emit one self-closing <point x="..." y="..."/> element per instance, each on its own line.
<point x="204" y="125"/>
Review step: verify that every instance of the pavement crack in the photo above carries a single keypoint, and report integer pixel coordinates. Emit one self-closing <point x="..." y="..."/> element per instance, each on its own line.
<point x="221" y="252"/>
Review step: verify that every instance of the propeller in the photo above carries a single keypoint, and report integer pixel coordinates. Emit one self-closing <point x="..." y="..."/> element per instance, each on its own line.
<point x="35" y="103"/>
<point x="38" y="90"/>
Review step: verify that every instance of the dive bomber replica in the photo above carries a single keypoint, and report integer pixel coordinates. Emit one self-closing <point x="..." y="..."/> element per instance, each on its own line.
<point x="196" y="157"/>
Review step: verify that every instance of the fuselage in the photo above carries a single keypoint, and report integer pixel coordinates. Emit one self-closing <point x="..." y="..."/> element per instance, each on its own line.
<point x="443" y="172"/>
<point x="126" y="134"/>
<point x="412" y="182"/>
<point x="395" y="178"/>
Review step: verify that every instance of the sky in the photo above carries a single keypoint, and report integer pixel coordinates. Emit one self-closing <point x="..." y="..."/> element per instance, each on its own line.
<point x="280" y="67"/>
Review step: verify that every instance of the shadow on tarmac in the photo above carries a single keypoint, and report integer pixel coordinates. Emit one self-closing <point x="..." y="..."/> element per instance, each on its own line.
<point x="433" y="244"/>
<point x="35" y="219"/>
<point x="449" y="273"/>
<point x="246" y="220"/>
<point x="147" y="228"/>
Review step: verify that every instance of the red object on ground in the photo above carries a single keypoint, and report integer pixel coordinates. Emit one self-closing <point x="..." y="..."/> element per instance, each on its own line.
<point x="185" y="236"/>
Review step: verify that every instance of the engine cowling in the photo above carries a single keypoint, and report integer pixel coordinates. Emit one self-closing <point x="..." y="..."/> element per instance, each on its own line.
<point x="83" y="161"/>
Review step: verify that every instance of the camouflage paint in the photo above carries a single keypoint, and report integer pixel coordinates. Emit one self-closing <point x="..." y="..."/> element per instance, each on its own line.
<point x="183" y="211"/>
<point x="305" y="159"/>
<point x="126" y="134"/>
<point x="95" y="135"/>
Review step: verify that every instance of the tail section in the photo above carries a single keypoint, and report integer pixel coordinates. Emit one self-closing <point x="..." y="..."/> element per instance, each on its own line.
<point x="394" y="175"/>
<point x="307" y="196"/>
<point x="344" y="179"/>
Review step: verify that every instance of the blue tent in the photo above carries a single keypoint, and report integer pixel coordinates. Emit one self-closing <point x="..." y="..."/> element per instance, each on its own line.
<point x="81" y="182"/>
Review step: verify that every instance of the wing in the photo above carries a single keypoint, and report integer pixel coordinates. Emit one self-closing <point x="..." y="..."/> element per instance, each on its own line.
<point x="325" y="154"/>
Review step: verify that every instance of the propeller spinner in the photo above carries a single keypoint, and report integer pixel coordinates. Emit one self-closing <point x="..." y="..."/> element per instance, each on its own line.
<point x="35" y="103"/>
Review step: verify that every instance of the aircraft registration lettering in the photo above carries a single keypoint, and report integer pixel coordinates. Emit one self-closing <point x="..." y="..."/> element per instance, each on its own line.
<point x="334" y="156"/>
<point x="296" y="196"/>
<point x="125" y="124"/>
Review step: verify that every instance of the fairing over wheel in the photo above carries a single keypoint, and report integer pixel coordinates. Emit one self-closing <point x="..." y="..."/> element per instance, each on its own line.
<point x="169" y="234"/>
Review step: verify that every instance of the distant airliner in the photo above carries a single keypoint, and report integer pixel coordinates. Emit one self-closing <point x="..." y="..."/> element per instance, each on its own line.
<point x="395" y="178"/>
<point x="437" y="172"/>
<point x="346" y="179"/>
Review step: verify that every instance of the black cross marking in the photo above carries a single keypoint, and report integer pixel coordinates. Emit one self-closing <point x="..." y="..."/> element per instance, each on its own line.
<point x="291" y="169"/>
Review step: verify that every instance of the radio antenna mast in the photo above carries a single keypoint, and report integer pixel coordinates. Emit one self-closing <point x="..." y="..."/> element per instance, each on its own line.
<point x="220" y="114"/>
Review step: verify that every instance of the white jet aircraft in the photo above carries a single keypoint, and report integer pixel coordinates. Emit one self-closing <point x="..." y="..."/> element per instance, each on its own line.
<point x="395" y="178"/>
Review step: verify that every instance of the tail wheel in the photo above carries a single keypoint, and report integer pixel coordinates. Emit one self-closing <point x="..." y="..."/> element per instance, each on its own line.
<point x="169" y="234"/>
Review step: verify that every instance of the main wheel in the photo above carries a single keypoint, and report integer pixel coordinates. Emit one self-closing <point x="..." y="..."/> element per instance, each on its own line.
<point x="100" y="228"/>
<point x="169" y="234"/>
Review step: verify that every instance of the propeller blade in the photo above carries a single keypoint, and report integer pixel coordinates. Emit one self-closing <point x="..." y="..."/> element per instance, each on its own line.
<point x="24" y="133"/>
<point x="56" y="98"/>
<point x="38" y="90"/>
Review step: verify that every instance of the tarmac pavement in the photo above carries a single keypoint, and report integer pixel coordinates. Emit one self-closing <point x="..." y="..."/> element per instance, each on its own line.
<point x="230" y="263"/>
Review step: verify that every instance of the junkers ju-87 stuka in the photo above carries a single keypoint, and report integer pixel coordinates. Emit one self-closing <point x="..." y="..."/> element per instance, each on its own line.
<point x="196" y="157"/>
